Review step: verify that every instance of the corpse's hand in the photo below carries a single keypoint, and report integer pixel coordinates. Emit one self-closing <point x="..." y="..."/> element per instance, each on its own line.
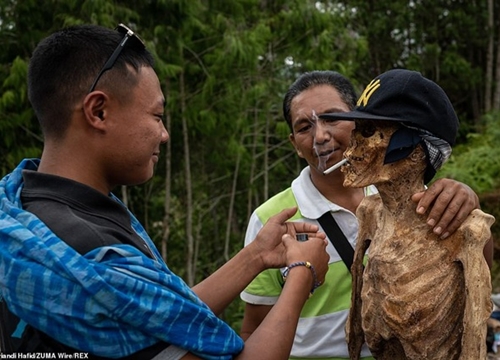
<point x="268" y="242"/>
<point x="449" y="201"/>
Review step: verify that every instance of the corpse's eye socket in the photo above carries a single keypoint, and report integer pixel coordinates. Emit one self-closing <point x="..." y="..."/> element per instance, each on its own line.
<point x="366" y="128"/>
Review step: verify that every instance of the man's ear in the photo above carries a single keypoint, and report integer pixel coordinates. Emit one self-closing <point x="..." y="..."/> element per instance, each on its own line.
<point x="291" y="137"/>
<point x="95" y="109"/>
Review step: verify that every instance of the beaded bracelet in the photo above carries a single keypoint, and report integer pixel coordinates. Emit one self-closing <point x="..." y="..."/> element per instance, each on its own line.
<point x="308" y="265"/>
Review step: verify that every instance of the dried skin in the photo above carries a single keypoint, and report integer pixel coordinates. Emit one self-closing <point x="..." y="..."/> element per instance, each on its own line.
<point x="419" y="297"/>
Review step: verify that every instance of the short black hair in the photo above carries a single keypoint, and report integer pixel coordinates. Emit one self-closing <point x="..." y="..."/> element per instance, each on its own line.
<point x="311" y="79"/>
<point x="64" y="64"/>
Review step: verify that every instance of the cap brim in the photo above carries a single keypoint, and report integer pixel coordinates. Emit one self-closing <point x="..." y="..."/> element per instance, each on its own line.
<point x="356" y="115"/>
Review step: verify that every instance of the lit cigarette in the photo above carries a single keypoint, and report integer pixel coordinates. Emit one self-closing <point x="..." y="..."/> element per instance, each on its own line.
<point x="335" y="167"/>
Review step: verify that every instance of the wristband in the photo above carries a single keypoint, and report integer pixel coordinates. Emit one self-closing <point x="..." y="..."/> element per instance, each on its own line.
<point x="308" y="265"/>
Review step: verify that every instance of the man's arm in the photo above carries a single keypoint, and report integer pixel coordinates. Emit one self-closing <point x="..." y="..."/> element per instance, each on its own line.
<point x="267" y="251"/>
<point x="273" y="338"/>
<point x="253" y="317"/>
<point x="255" y="313"/>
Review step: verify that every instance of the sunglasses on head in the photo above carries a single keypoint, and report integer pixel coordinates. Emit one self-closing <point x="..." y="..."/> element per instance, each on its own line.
<point x="127" y="35"/>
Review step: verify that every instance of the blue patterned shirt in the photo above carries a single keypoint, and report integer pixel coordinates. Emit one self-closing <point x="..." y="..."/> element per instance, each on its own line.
<point x="112" y="301"/>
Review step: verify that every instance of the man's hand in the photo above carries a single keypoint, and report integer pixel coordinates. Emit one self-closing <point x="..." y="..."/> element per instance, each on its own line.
<point x="449" y="201"/>
<point x="312" y="250"/>
<point x="269" y="243"/>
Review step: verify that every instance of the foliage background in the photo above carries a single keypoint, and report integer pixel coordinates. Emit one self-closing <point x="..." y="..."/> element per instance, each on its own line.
<point x="225" y="66"/>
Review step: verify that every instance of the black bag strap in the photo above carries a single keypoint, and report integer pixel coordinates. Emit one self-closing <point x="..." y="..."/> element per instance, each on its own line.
<point x="337" y="238"/>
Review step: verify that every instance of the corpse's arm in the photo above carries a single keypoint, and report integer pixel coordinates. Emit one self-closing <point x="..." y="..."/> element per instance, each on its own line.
<point x="474" y="233"/>
<point x="354" y="330"/>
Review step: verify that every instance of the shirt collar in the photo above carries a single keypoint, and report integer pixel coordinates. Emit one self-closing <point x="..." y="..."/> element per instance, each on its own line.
<point x="311" y="202"/>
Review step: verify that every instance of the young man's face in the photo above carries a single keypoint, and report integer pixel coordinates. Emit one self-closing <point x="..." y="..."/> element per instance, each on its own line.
<point x="320" y="142"/>
<point x="137" y="132"/>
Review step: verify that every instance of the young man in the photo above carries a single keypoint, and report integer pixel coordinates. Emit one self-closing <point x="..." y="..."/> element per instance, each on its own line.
<point x="322" y="142"/>
<point x="78" y="273"/>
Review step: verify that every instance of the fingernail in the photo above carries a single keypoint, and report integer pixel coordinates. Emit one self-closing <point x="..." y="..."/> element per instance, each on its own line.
<point x="431" y="222"/>
<point x="445" y="235"/>
<point x="421" y="210"/>
<point x="438" y="230"/>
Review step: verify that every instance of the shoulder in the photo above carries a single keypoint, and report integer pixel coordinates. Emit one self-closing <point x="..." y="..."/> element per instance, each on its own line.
<point x="76" y="216"/>
<point x="283" y="200"/>
<point x="71" y="227"/>
<point x="478" y="224"/>
<point x="368" y="204"/>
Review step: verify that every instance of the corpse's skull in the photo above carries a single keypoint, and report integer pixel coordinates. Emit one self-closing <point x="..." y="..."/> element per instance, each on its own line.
<point x="366" y="153"/>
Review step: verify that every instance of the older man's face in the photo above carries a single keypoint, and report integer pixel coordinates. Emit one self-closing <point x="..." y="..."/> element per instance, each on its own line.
<point x="366" y="153"/>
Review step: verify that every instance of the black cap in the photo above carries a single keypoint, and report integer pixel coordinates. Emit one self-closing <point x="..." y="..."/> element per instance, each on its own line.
<point x="408" y="97"/>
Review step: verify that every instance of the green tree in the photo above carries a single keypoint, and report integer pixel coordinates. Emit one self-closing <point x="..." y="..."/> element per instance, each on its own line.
<point x="224" y="67"/>
<point x="477" y="162"/>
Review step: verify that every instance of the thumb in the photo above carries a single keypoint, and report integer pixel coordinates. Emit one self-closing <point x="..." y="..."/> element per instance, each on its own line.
<point x="284" y="215"/>
<point x="287" y="238"/>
